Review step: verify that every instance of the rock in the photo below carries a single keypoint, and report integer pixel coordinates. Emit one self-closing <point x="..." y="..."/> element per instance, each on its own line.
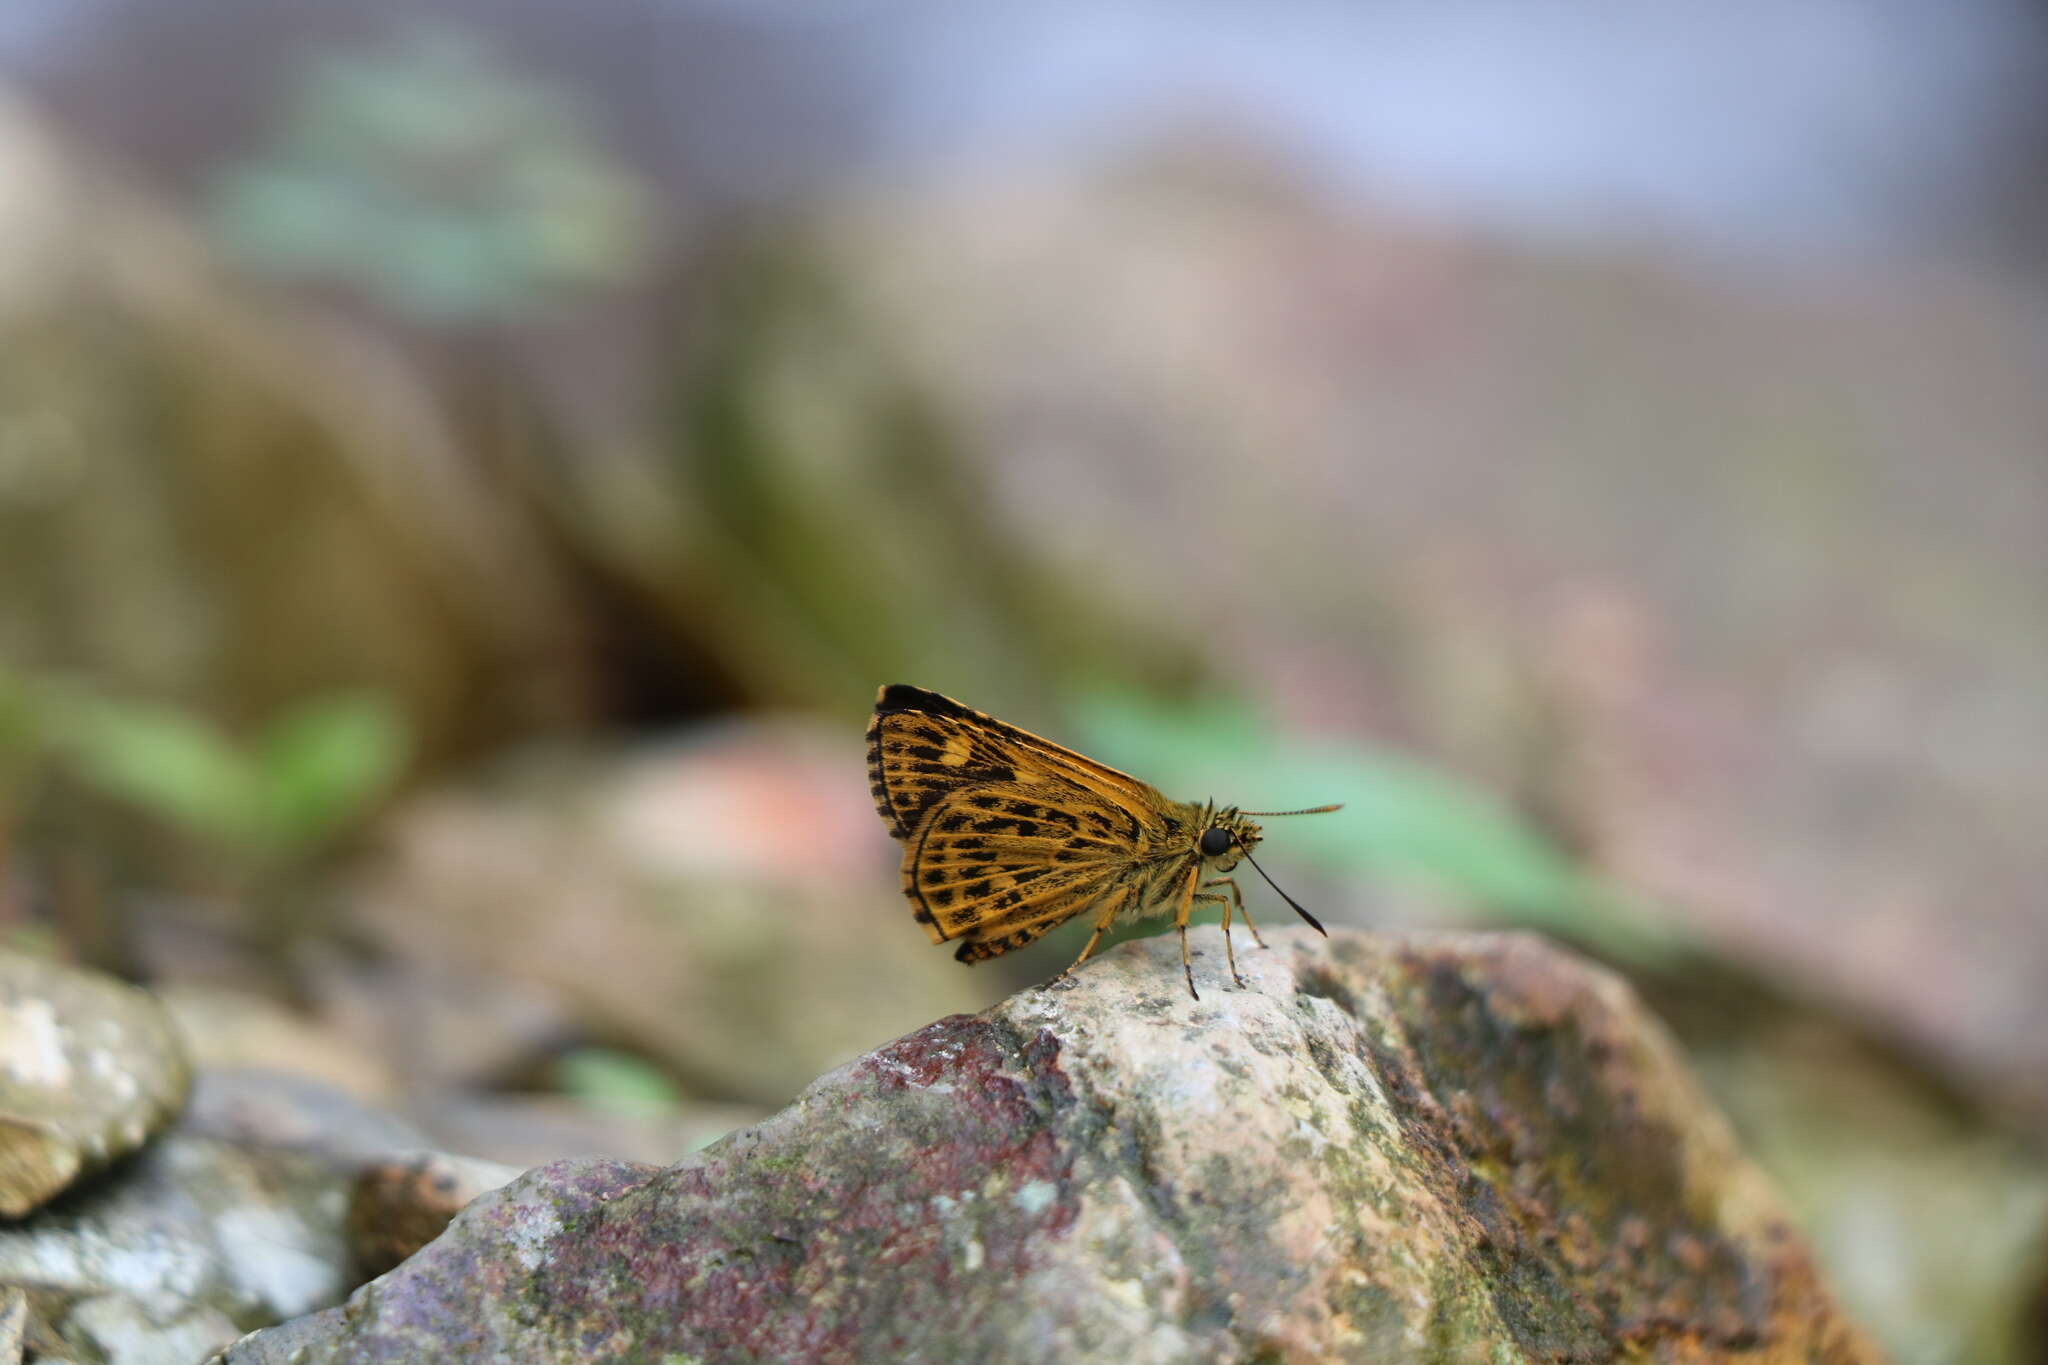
<point x="233" y="1219"/>
<point x="532" y="1130"/>
<point x="401" y="1204"/>
<point x="90" y="1069"/>
<point x="1385" y="1149"/>
<point x="1892" y="1174"/>
<point x="13" y="1324"/>
<point x="230" y="1030"/>
<point x="545" y="878"/>
<point x="441" y="1029"/>
<point x="263" y="1110"/>
<point x="125" y="1331"/>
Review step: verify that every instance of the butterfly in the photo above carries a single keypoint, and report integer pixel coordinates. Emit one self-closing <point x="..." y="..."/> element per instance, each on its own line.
<point x="1007" y="836"/>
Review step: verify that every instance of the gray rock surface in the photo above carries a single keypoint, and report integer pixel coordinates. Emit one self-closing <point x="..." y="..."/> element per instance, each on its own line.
<point x="90" y="1069"/>
<point x="1385" y="1149"/>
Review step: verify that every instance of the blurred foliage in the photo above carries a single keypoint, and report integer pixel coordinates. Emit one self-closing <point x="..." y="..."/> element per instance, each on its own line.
<point x="17" y="729"/>
<point x="312" y="774"/>
<point x="615" y="1080"/>
<point x="227" y="499"/>
<point x="254" y="510"/>
<point x="814" y="525"/>
<point x="438" y="180"/>
<point x="1403" y="819"/>
<point x="221" y="510"/>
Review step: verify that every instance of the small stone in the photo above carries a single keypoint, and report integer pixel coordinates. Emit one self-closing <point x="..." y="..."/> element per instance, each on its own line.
<point x="234" y="1218"/>
<point x="13" y="1324"/>
<point x="228" y="1030"/>
<point x="400" y="1205"/>
<point x="527" y="1130"/>
<point x="126" y="1332"/>
<point x="90" y="1069"/>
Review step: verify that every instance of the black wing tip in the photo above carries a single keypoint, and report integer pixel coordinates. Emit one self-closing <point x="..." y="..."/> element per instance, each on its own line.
<point x="895" y="697"/>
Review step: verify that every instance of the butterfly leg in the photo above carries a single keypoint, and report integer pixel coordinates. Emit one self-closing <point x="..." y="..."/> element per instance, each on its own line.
<point x="1237" y="898"/>
<point x="1229" y="950"/>
<point x="1108" y="916"/>
<point x="1180" y="923"/>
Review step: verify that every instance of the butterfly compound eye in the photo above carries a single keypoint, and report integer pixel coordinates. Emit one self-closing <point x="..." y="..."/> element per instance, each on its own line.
<point x="1215" y="841"/>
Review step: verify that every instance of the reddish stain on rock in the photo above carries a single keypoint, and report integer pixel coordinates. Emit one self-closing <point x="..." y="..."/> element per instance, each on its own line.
<point x="760" y="1248"/>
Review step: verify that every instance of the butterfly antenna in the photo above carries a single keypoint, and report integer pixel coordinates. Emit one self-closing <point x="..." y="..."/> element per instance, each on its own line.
<point x="1313" y="922"/>
<point x="1312" y="810"/>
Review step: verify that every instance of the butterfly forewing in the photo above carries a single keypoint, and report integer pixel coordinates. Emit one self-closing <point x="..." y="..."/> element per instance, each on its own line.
<point x="923" y="747"/>
<point x="1005" y="834"/>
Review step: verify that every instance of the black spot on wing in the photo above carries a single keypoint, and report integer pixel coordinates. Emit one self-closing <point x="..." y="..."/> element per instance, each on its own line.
<point x="907" y="760"/>
<point x="980" y="950"/>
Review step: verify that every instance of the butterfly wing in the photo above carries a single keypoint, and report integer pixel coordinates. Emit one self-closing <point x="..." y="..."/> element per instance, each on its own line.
<point x="1005" y="834"/>
<point x="924" y="748"/>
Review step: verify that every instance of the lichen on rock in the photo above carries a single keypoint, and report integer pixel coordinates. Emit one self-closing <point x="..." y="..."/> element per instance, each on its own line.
<point x="1385" y="1149"/>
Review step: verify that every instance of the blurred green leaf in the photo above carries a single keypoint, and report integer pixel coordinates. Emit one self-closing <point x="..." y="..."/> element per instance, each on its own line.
<point x="320" y="765"/>
<point x="1402" y="818"/>
<point x="162" y="759"/>
<point x="325" y="761"/>
<point x="32" y="940"/>
<point x="18" y="719"/>
<point x="615" y="1080"/>
<point x="441" y="179"/>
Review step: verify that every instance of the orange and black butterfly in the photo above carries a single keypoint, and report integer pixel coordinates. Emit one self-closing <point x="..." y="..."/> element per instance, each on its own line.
<point x="1006" y="835"/>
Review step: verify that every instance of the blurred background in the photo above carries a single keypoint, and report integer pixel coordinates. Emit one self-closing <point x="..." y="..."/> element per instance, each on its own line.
<point x="465" y="469"/>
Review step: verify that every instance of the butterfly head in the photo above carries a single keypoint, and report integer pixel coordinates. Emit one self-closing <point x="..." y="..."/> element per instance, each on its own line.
<point x="1227" y="839"/>
<point x="1228" y="836"/>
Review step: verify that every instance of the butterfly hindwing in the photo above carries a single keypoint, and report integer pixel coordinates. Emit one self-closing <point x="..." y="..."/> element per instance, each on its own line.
<point x="987" y="860"/>
<point x="982" y="949"/>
